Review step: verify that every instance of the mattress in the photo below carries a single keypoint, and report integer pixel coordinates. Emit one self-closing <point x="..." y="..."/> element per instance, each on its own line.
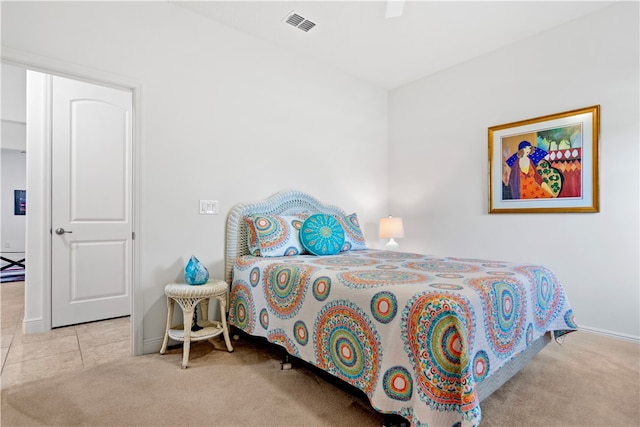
<point x="416" y="333"/>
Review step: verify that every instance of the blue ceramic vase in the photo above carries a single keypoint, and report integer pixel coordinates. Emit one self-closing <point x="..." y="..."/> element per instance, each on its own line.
<point x="195" y="273"/>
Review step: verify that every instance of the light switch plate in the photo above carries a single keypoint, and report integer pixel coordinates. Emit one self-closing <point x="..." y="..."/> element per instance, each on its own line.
<point x="208" y="207"/>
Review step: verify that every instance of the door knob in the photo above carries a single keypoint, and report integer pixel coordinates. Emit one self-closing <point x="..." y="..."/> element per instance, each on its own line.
<point x="62" y="231"/>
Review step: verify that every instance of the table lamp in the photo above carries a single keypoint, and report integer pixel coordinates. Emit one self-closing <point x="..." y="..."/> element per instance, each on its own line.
<point x="391" y="228"/>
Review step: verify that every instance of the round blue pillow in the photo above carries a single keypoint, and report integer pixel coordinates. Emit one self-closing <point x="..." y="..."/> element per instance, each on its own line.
<point x="322" y="234"/>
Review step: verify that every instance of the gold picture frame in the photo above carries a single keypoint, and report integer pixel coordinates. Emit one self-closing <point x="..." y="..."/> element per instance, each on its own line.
<point x="547" y="164"/>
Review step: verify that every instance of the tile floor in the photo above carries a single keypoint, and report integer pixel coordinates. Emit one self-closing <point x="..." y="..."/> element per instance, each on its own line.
<point x="33" y="356"/>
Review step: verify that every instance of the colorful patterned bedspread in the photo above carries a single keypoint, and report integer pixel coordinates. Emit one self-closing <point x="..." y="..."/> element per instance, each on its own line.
<point x="416" y="333"/>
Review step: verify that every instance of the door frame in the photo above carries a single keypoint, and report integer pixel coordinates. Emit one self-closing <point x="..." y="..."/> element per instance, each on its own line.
<point x="37" y="317"/>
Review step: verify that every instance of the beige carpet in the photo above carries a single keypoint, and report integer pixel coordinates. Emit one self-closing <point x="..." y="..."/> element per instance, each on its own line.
<point x="591" y="380"/>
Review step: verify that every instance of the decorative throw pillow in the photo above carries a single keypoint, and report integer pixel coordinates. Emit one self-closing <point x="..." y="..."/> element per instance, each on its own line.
<point x="353" y="236"/>
<point x="273" y="235"/>
<point x="322" y="234"/>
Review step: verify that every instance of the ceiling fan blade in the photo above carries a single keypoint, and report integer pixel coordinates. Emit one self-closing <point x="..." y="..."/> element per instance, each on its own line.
<point x="394" y="8"/>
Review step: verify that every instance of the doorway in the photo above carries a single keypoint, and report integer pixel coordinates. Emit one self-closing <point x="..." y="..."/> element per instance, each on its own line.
<point x="38" y="292"/>
<point x="13" y="174"/>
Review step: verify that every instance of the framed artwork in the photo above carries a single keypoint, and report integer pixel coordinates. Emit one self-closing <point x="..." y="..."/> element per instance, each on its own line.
<point x="546" y="164"/>
<point x="19" y="202"/>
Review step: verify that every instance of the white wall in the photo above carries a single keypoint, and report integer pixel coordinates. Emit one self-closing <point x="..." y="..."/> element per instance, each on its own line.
<point x="227" y="117"/>
<point x="224" y="116"/>
<point x="13" y="177"/>
<point x="439" y="155"/>
<point x="13" y="107"/>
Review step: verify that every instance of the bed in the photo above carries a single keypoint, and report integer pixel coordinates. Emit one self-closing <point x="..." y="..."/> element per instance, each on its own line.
<point x="424" y="337"/>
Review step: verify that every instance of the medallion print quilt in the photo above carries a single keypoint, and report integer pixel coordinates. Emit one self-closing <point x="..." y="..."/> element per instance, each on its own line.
<point x="415" y="333"/>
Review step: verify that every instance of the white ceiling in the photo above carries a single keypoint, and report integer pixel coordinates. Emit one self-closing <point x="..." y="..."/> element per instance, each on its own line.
<point x="355" y="36"/>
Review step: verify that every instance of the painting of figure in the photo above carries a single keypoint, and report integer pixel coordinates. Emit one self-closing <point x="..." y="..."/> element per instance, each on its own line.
<point x="546" y="164"/>
<point x="548" y="167"/>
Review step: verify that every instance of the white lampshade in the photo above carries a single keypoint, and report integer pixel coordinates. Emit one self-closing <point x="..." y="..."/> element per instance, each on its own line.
<point x="391" y="228"/>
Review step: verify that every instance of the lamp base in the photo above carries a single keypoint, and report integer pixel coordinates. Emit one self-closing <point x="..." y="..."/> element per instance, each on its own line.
<point x="392" y="245"/>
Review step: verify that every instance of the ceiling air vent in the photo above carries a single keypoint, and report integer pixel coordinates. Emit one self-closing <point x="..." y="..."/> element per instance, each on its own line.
<point x="299" y="21"/>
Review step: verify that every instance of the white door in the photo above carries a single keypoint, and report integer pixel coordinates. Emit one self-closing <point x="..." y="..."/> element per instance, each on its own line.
<point x="91" y="249"/>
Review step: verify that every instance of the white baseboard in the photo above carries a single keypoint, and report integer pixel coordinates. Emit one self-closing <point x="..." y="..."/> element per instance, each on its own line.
<point x="152" y="345"/>
<point x="33" y="326"/>
<point x="611" y="334"/>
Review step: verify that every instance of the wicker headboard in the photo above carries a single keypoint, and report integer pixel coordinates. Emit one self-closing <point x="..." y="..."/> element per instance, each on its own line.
<point x="284" y="203"/>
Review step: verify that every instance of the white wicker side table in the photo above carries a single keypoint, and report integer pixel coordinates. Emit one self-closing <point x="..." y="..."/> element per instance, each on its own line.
<point x="188" y="297"/>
